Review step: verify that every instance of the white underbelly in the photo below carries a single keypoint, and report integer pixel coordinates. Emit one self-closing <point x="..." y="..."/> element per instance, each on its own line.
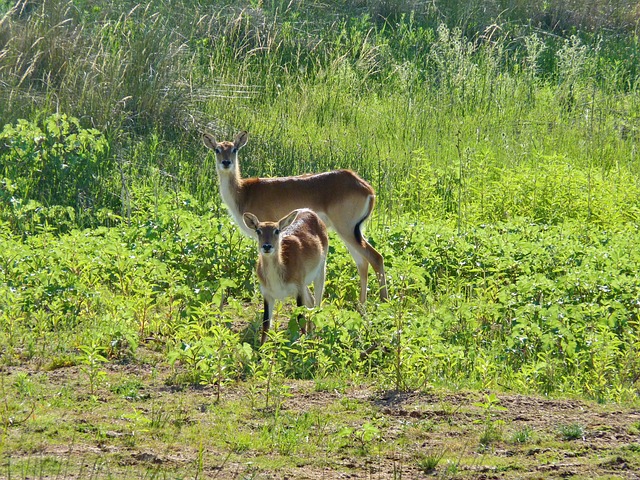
<point x="279" y="290"/>
<point x="275" y="287"/>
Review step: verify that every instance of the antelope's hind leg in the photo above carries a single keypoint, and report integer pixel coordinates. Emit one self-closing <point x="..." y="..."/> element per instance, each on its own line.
<point x="318" y="284"/>
<point x="305" y="299"/>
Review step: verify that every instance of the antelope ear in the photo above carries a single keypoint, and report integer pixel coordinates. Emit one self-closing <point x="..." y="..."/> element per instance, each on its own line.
<point x="241" y="140"/>
<point x="288" y="220"/>
<point x="209" y="141"/>
<point x="250" y="220"/>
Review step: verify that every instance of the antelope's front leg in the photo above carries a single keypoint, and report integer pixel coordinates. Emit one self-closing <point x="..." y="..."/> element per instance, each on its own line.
<point x="266" y="319"/>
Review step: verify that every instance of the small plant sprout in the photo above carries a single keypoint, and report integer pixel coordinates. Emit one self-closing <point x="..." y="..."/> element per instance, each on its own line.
<point x="292" y="254"/>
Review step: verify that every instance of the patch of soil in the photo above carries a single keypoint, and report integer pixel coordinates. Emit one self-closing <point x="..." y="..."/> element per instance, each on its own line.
<point x="417" y="434"/>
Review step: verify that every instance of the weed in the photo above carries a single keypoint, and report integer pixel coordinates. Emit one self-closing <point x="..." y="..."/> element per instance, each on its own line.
<point x="329" y="384"/>
<point x="52" y="164"/>
<point x="92" y="358"/>
<point x="24" y="385"/>
<point x="288" y="434"/>
<point x="572" y="431"/>
<point x="210" y="355"/>
<point x="452" y="468"/>
<point x="159" y="418"/>
<point x="522" y="435"/>
<point x="364" y="437"/>
<point x="492" y="427"/>
<point x="269" y="369"/>
<point x="428" y="463"/>
<point x="350" y="404"/>
<point x="11" y="411"/>
<point x="130" y="389"/>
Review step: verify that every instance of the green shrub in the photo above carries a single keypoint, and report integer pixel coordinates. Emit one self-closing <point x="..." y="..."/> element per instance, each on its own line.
<point x="53" y="162"/>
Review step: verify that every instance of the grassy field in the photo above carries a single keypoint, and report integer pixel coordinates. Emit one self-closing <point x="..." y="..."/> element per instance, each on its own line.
<point x="501" y="139"/>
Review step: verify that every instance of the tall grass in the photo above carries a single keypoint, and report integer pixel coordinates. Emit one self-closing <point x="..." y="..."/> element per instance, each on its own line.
<point x="120" y="72"/>
<point x="439" y="120"/>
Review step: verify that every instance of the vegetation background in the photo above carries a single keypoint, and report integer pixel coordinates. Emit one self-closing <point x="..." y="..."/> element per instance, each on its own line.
<point x="501" y="137"/>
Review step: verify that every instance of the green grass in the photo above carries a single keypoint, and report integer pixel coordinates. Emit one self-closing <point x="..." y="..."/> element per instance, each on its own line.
<point x="538" y="308"/>
<point x="186" y="432"/>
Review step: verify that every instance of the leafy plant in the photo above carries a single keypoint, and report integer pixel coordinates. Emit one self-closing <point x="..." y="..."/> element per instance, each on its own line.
<point x="53" y="162"/>
<point x="364" y="437"/>
<point x="492" y="427"/>
<point x="268" y="371"/>
<point x="211" y="356"/>
<point x="91" y="359"/>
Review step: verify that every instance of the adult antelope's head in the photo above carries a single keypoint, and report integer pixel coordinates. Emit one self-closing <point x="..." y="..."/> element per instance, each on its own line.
<point x="226" y="152"/>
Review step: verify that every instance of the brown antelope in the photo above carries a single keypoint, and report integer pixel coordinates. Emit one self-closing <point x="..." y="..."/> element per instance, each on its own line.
<point x="341" y="198"/>
<point x="292" y="253"/>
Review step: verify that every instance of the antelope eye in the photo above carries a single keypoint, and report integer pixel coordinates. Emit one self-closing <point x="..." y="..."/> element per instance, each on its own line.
<point x="217" y="150"/>
<point x="277" y="231"/>
<point x="234" y="150"/>
<point x="258" y="231"/>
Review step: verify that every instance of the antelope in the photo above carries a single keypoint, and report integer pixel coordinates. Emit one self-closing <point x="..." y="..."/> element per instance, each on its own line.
<point x="341" y="199"/>
<point x="292" y="253"/>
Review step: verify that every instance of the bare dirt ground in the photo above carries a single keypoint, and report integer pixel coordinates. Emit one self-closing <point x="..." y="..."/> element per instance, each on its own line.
<point x="608" y="448"/>
<point x="363" y="433"/>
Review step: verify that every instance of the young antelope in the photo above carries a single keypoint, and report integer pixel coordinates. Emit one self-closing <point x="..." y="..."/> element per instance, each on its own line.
<point x="292" y="253"/>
